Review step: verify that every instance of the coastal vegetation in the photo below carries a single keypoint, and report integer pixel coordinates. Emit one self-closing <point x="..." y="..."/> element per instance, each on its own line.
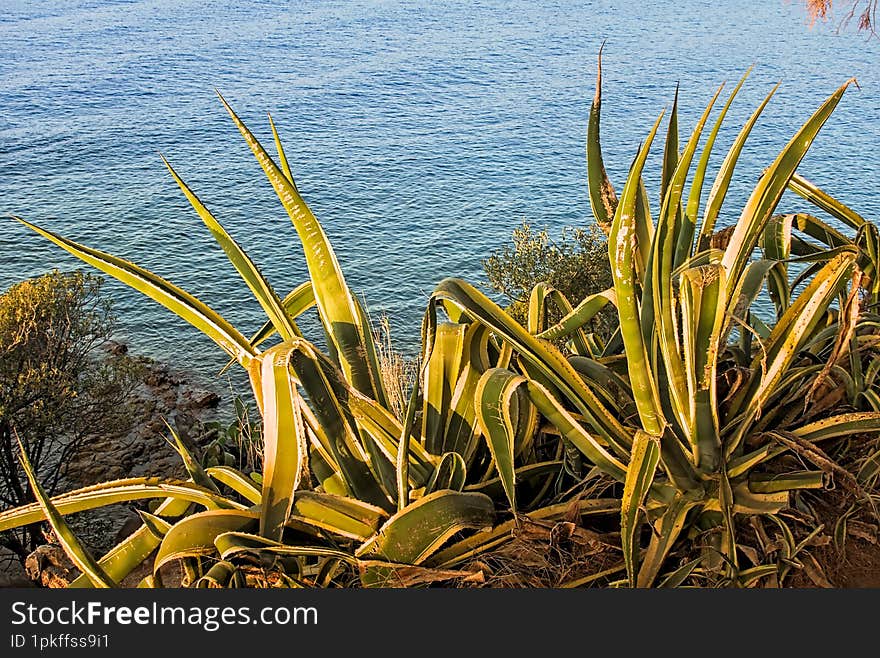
<point x="656" y="428"/>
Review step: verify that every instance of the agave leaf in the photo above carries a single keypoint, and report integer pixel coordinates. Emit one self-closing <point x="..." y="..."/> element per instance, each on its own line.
<point x="725" y="172"/>
<point x="170" y="296"/>
<point x="336" y="305"/>
<point x="462" y="430"/>
<point x="603" y="200"/>
<point x="700" y="291"/>
<point x="442" y="369"/>
<point x="195" y="470"/>
<point x="677" y="577"/>
<point x="620" y="253"/>
<point x="128" y="554"/>
<point x="543" y="357"/>
<point x="693" y="202"/>
<point x="639" y="477"/>
<point x="232" y="543"/>
<point x="670" y="149"/>
<point x="821" y="199"/>
<point x="497" y="406"/>
<point x="667" y="528"/>
<point x="237" y="481"/>
<point x="284" y="443"/>
<point x="194" y="535"/>
<point x="282" y="157"/>
<point x="770" y="187"/>
<point x="451" y="473"/>
<point x="839" y="425"/>
<point x="116" y="491"/>
<point x="579" y="315"/>
<point x="66" y="537"/>
<point x="259" y="286"/>
<point x="346" y="517"/>
<point x="415" y="533"/>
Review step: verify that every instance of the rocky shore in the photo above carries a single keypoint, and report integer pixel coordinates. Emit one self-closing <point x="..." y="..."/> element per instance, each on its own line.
<point x="163" y="394"/>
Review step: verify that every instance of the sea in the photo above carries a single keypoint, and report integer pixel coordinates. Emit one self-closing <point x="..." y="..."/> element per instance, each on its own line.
<point x="420" y="133"/>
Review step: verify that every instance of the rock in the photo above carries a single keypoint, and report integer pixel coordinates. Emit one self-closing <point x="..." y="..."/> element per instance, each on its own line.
<point x="12" y="572"/>
<point x="115" y="348"/>
<point x="49" y="566"/>
<point x="164" y="395"/>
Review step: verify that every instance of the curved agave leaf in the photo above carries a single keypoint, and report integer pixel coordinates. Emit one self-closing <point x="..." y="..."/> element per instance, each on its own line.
<point x="259" y="286"/>
<point x="116" y="491"/>
<point x="170" y="296"/>
<point x="497" y="408"/>
<point x="284" y="442"/>
<point x="337" y="306"/>
<point x="821" y="199"/>
<point x="194" y="536"/>
<point x="66" y="537"/>
<point x="579" y="315"/>
<point x="603" y="200"/>
<point x="416" y="532"/>
<point x="237" y="481"/>
<point x="639" y="477"/>
<point x="128" y="554"/>
<point x="451" y="473"/>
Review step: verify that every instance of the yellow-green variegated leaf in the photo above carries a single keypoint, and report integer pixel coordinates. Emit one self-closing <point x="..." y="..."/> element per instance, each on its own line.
<point x="237" y="481"/>
<point x="66" y="537"/>
<point x="184" y="305"/>
<point x="336" y="304"/>
<point x="867" y="422"/>
<point x="131" y="552"/>
<point x="116" y="491"/>
<point x="343" y="516"/>
<point x="497" y="406"/>
<point x="259" y="286"/>
<point x="621" y="242"/>
<point x="284" y="443"/>
<point x="603" y="200"/>
<point x="639" y="478"/>
<point x="416" y="532"/>
<point x="194" y="536"/>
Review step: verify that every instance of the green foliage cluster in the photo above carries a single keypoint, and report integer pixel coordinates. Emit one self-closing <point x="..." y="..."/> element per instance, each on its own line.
<point x="58" y="390"/>
<point x="576" y="265"/>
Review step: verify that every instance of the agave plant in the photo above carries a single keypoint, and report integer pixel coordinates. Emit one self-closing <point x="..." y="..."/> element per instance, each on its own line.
<point x="344" y="480"/>
<point x="713" y="414"/>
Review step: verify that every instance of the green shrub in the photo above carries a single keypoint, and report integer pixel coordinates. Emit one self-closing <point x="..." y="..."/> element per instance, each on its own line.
<point x="576" y="265"/>
<point x="57" y="388"/>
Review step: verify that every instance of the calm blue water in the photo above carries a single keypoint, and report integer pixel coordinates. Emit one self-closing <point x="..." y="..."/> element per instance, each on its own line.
<point x="420" y="133"/>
